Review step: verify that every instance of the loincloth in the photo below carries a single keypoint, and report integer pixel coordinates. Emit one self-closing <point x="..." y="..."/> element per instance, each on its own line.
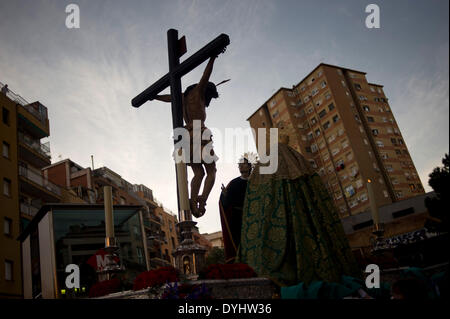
<point x="203" y="144"/>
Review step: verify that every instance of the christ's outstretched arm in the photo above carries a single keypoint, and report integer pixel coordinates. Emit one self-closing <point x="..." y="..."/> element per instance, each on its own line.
<point x="163" y="98"/>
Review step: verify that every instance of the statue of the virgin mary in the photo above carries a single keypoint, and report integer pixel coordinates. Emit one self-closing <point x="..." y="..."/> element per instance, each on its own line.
<point x="291" y="231"/>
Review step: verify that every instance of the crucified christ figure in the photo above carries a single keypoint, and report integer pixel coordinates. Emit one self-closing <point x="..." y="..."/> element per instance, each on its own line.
<point x="196" y="98"/>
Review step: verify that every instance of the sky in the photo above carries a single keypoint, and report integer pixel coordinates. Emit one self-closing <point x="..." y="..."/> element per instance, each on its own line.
<point x="86" y="77"/>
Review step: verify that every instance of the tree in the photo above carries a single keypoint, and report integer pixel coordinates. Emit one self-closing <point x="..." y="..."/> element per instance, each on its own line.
<point x="440" y="182"/>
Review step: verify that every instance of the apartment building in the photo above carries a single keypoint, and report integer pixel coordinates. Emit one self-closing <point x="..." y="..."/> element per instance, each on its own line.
<point x="345" y="127"/>
<point x="25" y="188"/>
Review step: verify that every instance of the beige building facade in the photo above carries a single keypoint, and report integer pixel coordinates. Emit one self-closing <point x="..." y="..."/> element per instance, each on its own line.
<point x="345" y="127"/>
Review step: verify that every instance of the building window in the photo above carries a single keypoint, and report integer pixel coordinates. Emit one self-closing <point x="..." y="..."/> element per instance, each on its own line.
<point x="385" y="193"/>
<point x="399" y="194"/>
<point x="349" y="156"/>
<point x="340" y="131"/>
<point x="339" y="71"/>
<point x="308" y="149"/>
<point x="326" y="125"/>
<point x="380" y="144"/>
<point x="328" y="96"/>
<point x="384" y="156"/>
<point x="323" y="84"/>
<point x="275" y="114"/>
<point x="375" y="132"/>
<point x="331" y="138"/>
<point x="400" y="141"/>
<point x="366" y="108"/>
<point x="350" y="191"/>
<point x="363" y="197"/>
<point x="335" y="118"/>
<point x="366" y="142"/>
<point x="389" y="130"/>
<point x="394" y="141"/>
<point x="5" y="116"/>
<point x="7" y="226"/>
<point x="335" y="151"/>
<point x="331" y="107"/>
<point x="317" y="132"/>
<point x="314" y="91"/>
<point x="359" y="183"/>
<point x="313" y="121"/>
<point x="357" y="86"/>
<point x="372" y="89"/>
<point x="319" y="74"/>
<point x="322" y="113"/>
<point x="389" y="168"/>
<point x="8" y="270"/>
<point x="314" y="148"/>
<point x="363" y="98"/>
<point x="6" y="187"/>
<point x="370" y="119"/>
<point x="344" y="144"/>
<point x="310" y="136"/>
<point x="343" y="83"/>
<point x="5" y="150"/>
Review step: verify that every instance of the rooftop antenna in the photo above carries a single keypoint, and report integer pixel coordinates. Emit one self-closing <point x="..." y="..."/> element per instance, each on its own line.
<point x="92" y="160"/>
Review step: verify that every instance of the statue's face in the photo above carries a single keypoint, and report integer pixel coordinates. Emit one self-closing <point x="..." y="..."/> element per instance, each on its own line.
<point x="245" y="168"/>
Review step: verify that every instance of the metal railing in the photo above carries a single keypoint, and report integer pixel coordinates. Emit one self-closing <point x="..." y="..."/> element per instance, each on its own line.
<point x="39" y="179"/>
<point x="43" y="149"/>
<point x="41" y="115"/>
<point x="28" y="209"/>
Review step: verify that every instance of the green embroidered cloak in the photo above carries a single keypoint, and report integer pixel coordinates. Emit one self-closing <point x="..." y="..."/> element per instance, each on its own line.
<point x="291" y="231"/>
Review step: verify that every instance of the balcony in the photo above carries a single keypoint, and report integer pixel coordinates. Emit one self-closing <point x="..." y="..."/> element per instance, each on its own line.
<point x="36" y="185"/>
<point x="33" y="151"/>
<point x="28" y="209"/>
<point x="42" y="149"/>
<point x="33" y="115"/>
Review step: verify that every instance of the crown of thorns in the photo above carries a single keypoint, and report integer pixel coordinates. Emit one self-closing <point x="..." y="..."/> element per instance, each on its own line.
<point x="250" y="158"/>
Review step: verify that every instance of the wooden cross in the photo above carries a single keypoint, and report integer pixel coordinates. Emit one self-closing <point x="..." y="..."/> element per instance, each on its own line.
<point x="176" y="48"/>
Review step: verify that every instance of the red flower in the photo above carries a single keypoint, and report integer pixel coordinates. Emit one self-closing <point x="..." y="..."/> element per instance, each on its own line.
<point x="228" y="271"/>
<point x="103" y="288"/>
<point x="155" y="277"/>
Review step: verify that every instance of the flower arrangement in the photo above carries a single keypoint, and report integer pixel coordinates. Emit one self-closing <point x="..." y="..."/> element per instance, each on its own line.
<point x="103" y="288"/>
<point x="227" y="271"/>
<point x="155" y="277"/>
<point x="186" y="291"/>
